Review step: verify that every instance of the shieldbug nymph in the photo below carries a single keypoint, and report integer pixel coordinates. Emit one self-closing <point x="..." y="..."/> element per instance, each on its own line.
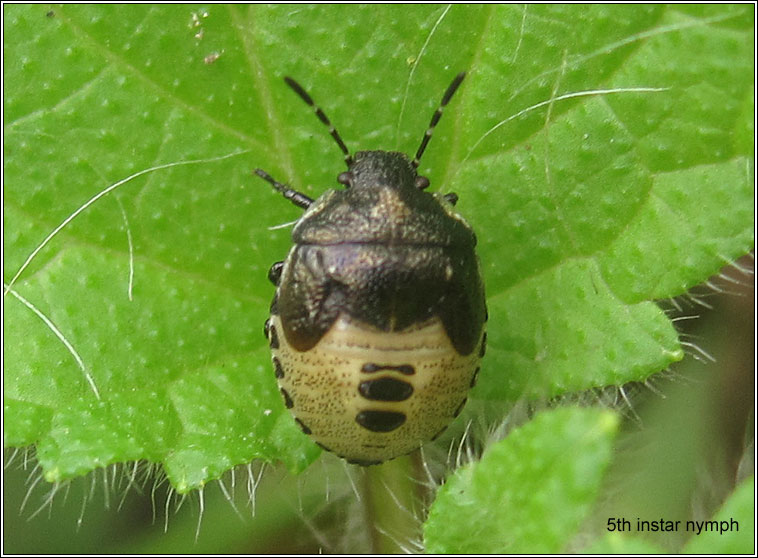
<point x="377" y="324"/>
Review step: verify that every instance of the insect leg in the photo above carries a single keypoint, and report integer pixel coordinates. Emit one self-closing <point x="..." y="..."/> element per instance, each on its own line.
<point x="300" y="200"/>
<point x="275" y="273"/>
<point x="452" y="198"/>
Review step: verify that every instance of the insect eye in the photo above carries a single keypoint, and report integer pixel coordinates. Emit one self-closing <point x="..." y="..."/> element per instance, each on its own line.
<point x="422" y="182"/>
<point x="345" y="178"/>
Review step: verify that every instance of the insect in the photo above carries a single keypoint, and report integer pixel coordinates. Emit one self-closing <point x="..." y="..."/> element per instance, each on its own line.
<point x="377" y="327"/>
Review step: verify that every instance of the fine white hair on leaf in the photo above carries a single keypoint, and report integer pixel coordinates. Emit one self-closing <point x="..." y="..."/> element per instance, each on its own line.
<point x="181" y="498"/>
<point x="430" y="480"/>
<point x="103" y="193"/>
<point x="401" y="541"/>
<point x="80" y="518"/>
<point x="28" y="456"/>
<point x="251" y="488"/>
<point x="131" y="483"/>
<point x="201" y="500"/>
<point x="572" y="95"/>
<point x="352" y="482"/>
<point x="106" y="488"/>
<point x="9" y="460"/>
<point x="675" y="303"/>
<point x="698" y="352"/>
<point x="739" y="266"/>
<point x="629" y="405"/>
<point x="681" y="318"/>
<point x="730" y="279"/>
<point x="59" y="335"/>
<point x="34" y="478"/>
<point x="253" y="481"/>
<point x="696" y="299"/>
<point x="47" y="503"/>
<point x="229" y="497"/>
<point x="168" y="508"/>
<point x="463" y="443"/>
<point x="650" y="384"/>
<point x="412" y="516"/>
<point x="131" y="249"/>
<point x="607" y="49"/>
<point x="327" y="484"/>
<point x="156" y="484"/>
<point x="395" y="539"/>
<point x="413" y="71"/>
<point x="520" y="36"/>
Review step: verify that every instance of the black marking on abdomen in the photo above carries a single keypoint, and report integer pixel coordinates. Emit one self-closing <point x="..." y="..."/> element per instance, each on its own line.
<point x="275" y="273"/>
<point x="266" y="325"/>
<point x="438" y="434"/>
<point x="483" y="348"/>
<point x="475" y="376"/>
<point x="370" y="367"/>
<point x="363" y="462"/>
<point x="460" y="408"/>
<point x="385" y="389"/>
<point x="380" y="421"/>
<point x="274" y="308"/>
<point x="287" y="399"/>
<point x="323" y="447"/>
<point x="278" y="370"/>
<point x="303" y="426"/>
<point x="273" y="337"/>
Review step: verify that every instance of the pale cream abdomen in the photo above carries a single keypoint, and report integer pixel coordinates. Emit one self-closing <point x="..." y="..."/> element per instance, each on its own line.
<point x="369" y="396"/>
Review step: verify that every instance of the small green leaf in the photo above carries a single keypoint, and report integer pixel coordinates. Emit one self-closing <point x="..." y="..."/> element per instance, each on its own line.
<point x="530" y="492"/>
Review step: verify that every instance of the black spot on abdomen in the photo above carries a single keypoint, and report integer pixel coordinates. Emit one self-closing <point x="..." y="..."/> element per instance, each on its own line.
<point x="370" y="367"/>
<point x="273" y="340"/>
<point x="385" y="389"/>
<point x="278" y="370"/>
<point x="380" y="421"/>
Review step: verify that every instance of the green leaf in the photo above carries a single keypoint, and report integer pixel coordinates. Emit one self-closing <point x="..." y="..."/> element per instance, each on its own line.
<point x="588" y="205"/>
<point x="530" y="492"/>
<point x="732" y="529"/>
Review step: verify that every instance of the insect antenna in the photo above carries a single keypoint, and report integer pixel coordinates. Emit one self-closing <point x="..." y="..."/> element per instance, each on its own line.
<point x="300" y="200"/>
<point x="436" y="118"/>
<point x="303" y="94"/>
